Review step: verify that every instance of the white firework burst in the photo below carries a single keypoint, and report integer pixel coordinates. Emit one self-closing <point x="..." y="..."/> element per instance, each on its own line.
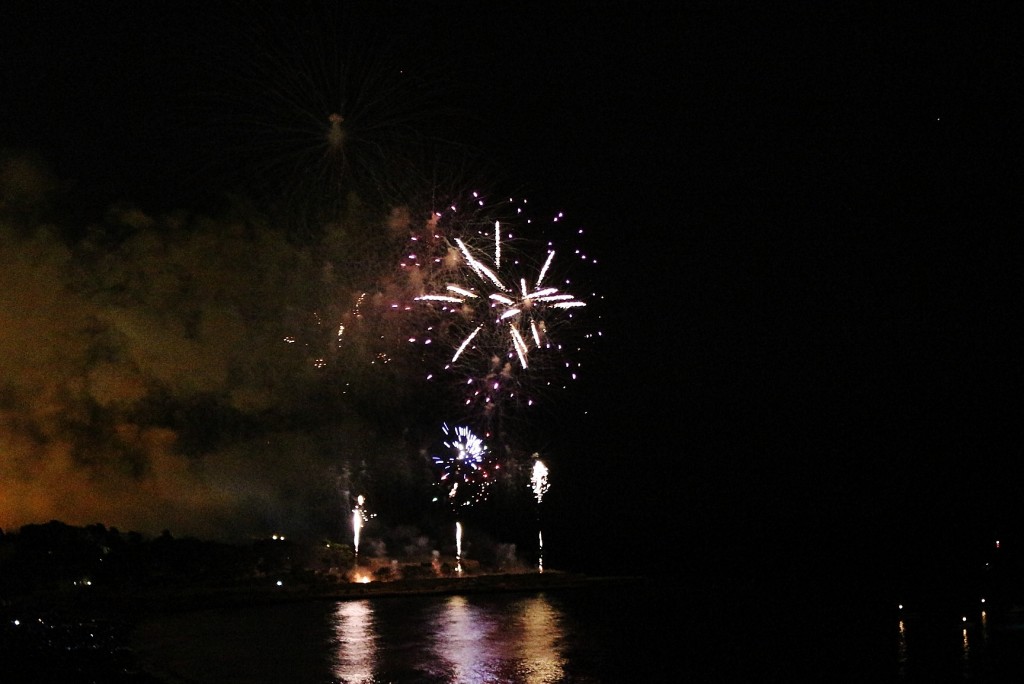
<point x="505" y="312"/>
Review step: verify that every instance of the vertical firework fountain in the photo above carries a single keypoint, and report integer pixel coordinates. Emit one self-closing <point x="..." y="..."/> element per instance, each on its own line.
<point x="539" y="484"/>
<point x="359" y="518"/>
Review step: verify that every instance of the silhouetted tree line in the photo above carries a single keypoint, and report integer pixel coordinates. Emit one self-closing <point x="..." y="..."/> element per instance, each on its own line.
<point x="55" y="556"/>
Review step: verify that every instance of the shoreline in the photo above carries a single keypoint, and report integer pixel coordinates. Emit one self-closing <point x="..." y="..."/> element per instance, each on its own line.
<point x="181" y="599"/>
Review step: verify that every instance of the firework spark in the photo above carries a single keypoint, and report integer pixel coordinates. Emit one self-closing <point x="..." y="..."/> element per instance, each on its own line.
<point x="359" y="518"/>
<point x="464" y="475"/>
<point x="539" y="484"/>
<point x="465" y="469"/>
<point x="497" y="308"/>
<point x="512" y="306"/>
<point x="539" y="481"/>
<point x="458" y="546"/>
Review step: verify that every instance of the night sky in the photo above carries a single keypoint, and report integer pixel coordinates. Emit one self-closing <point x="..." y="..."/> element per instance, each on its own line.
<point x="809" y="281"/>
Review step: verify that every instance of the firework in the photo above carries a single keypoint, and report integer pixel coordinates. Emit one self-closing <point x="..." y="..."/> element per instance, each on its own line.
<point x="539" y="480"/>
<point x="359" y="518"/>
<point x="458" y="546"/>
<point x="323" y="118"/>
<point x="539" y="484"/>
<point x="497" y="308"/>
<point x="511" y="309"/>
<point x="465" y="475"/>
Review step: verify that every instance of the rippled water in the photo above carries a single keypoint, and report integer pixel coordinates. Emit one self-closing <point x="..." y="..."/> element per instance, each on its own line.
<point x="635" y="634"/>
<point x="534" y="638"/>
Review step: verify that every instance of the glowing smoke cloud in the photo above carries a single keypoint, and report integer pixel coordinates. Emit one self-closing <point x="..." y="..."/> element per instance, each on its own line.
<point x="138" y="373"/>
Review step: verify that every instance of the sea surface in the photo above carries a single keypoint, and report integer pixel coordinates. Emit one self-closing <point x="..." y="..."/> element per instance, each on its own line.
<point x="640" y="633"/>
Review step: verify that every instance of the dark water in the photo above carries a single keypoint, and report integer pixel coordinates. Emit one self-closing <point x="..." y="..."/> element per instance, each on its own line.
<point x="578" y="635"/>
<point x="648" y="633"/>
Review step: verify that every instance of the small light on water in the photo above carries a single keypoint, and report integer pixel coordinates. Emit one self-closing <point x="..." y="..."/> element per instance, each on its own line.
<point x="280" y="583"/>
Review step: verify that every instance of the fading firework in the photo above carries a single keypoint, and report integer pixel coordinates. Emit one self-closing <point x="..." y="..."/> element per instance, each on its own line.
<point x="318" y="109"/>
